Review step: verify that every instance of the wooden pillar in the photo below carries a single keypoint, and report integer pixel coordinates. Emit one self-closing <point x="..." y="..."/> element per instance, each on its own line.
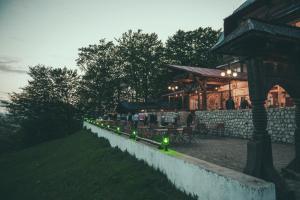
<point x="182" y="100"/>
<point x="204" y="95"/>
<point x="221" y="100"/>
<point x="294" y="65"/>
<point x="297" y="135"/>
<point x="199" y="102"/>
<point x="259" y="149"/>
<point x="295" y="163"/>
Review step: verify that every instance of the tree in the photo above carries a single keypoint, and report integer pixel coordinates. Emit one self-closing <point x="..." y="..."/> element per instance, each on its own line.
<point x="142" y="58"/>
<point x="46" y="108"/>
<point x="192" y="48"/>
<point x="101" y="78"/>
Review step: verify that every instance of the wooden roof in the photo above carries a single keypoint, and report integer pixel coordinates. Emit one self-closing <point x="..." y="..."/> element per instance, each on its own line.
<point x="207" y="72"/>
<point x="252" y="35"/>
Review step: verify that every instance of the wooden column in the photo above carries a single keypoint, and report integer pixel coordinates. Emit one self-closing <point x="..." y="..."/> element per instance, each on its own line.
<point x="199" y="102"/>
<point x="295" y="163"/>
<point x="297" y="135"/>
<point x="204" y="95"/>
<point x="182" y="100"/>
<point x="259" y="149"/>
<point x="221" y="100"/>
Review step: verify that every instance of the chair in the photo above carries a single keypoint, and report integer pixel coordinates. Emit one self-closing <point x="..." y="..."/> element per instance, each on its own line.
<point x="218" y="129"/>
<point x="201" y="129"/>
<point x="188" y="133"/>
<point x="174" y="135"/>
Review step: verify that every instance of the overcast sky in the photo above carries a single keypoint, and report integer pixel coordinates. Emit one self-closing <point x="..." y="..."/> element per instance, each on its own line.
<point x="51" y="31"/>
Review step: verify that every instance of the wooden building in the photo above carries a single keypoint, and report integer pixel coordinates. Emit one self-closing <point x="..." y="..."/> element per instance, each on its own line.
<point x="197" y="88"/>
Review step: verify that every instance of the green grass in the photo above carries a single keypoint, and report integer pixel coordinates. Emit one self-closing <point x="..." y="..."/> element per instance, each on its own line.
<point x="81" y="167"/>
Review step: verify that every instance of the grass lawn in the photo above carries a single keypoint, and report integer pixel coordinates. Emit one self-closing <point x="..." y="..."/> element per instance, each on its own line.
<point x="81" y="167"/>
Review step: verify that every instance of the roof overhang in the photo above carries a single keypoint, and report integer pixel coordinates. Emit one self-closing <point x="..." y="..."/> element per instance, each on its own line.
<point x="207" y="72"/>
<point x="254" y="37"/>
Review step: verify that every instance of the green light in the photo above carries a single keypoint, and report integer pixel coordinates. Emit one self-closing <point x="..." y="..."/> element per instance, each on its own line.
<point x="133" y="135"/>
<point x="108" y="126"/>
<point x="102" y="124"/>
<point x="166" y="140"/>
<point x="118" y="128"/>
<point x="165" y="143"/>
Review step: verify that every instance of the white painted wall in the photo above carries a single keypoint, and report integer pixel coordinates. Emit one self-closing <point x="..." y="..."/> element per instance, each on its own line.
<point x="193" y="176"/>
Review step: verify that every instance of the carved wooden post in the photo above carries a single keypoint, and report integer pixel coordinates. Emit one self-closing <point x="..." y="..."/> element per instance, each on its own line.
<point x="297" y="135"/>
<point x="259" y="149"/>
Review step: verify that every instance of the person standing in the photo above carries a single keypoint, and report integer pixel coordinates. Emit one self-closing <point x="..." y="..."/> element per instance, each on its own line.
<point x="190" y="119"/>
<point x="135" y="119"/>
<point x="230" y="104"/>
<point x="244" y="103"/>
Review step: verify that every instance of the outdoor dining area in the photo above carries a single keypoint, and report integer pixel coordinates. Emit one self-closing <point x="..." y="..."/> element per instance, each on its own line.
<point x="180" y="127"/>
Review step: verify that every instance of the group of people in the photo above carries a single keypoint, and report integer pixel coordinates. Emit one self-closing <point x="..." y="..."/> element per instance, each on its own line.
<point x="145" y="118"/>
<point x="230" y="105"/>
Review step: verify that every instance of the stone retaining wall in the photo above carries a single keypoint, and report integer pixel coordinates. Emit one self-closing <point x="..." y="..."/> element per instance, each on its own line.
<point x="238" y="123"/>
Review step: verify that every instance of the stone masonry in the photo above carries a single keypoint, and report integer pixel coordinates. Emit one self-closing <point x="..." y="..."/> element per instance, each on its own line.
<point x="238" y="123"/>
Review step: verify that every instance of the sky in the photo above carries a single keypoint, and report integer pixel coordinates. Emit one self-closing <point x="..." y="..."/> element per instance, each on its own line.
<point x="50" y="32"/>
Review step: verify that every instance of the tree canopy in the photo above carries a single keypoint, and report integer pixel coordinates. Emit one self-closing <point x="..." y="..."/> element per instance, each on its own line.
<point x="142" y="57"/>
<point x="46" y="107"/>
<point x="100" y="79"/>
<point x="192" y="48"/>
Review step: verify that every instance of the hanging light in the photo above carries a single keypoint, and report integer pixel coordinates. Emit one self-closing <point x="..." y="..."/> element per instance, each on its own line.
<point x="223" y="74"/>
<point x="169" y="88"/>
<point x="228" y="71"/>
<point x="176" y="87"/>
<point x="234" y="74"/>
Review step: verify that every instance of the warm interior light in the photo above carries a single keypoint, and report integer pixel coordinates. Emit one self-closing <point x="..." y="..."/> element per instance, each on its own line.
<point x="169" y="87"/>
<point x="176" y="87"/>
<point x="223" y="74"/>
<point x="234" y="74"/>
<point x="228" y="71"/>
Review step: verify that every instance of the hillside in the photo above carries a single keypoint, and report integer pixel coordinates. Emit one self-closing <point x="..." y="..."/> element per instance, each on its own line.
<point x="81" y="167"/>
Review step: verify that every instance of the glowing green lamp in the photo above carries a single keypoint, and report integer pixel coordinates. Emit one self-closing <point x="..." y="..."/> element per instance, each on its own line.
<point x="118" y="130"/>
<point x="133" y="135"/>
<point x="165" y="142"/>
